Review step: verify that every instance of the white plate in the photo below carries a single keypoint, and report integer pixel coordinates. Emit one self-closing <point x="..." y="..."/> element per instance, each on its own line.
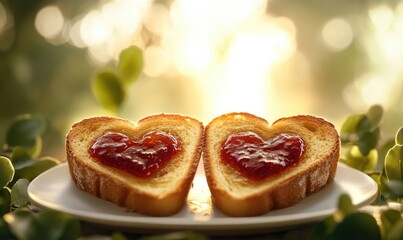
<point x="54" y="189"/>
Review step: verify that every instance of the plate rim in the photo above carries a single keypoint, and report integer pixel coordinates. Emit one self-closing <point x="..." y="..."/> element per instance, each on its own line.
<point x="171" y="222"/>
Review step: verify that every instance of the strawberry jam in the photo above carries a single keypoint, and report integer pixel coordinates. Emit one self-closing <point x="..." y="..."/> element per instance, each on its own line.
<point x="257" y="158"/>
<point x="142" y="158"/>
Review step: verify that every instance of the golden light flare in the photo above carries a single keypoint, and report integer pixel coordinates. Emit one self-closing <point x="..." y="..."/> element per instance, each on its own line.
<point x="229" y="51"/>
<point x="49" y="22"/>
<point x="156" y="60"/>
<point x="199" y="197"/>
<point x="337" y="34"/>
<point x="382" y="83"/>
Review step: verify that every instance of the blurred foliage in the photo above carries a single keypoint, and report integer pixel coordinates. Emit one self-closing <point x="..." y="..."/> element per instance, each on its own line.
<point x="349" y="223"/>
<point x="23" y="147"/>
<point x="38" y="77"/>
<point x="392" y="174"/>
<point x="108" y="90"/>
<point x="360" y="145"/>
<point x="110" y="87"/>
<point x="20" y="162"/>
<point x="48" y="225"/>
<point x="359" y="136"/>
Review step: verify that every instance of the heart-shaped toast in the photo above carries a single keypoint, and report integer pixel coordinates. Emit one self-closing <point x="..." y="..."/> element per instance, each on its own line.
<point x="146" y="167"/>
<point x="253" y="167"/>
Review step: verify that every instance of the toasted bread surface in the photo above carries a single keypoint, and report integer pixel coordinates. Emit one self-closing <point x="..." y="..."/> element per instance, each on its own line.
<point x="237" y="195"/>
<point x="162" y="194"/>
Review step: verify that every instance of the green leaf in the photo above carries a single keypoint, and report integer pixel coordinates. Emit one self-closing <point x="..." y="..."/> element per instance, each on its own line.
<point x="108" y="90"/>
<point x="32" y="168"/>
<point x="351" y="124"/>
<point x="56" y="225"/>
<point x="358" y="225"/>
<point x="324" y="229"/>
<point x="130" y="64"/>
<point x="20" y="154"/>
<point x="367" y="142"/>
<point x="363" y="126"/>
<point x="4" y="230"/>
<point x="72" y="229"/>
<point x="375" y="115"/>
<point x="377" y="177"/>
<point x="396" y="232"/>
<point x="19" y="194"/>
<point x="6" y="171"/>
<point x="118" y="236"/>
<point x="354" y="158"/>
<point x="45" y="225"/>
<point x="345" y="206"/>
<point x="394" y="163"/>
<point x="20" y="223"/>
<point x="394" y="188"/>
<point x="24" y="131"/>
<point x="399" y="137"/>
<point x="5" y="201"/>
<point x="383" y="150"/>
<point x="389" y="218"/>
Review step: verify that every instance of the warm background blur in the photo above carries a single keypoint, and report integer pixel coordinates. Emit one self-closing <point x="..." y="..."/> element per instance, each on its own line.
<point x="202" y="58"/>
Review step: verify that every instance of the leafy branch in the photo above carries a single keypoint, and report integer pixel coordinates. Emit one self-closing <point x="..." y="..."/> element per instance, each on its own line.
<point x="360" y="138"/>
<point x="360" y="135"/>
<point x="20" y="162"/>
<point x="360" y="147"/>
<point x="349" y="223"/>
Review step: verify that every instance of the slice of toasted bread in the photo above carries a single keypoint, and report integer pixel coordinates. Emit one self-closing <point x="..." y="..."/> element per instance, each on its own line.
<point x="237" y="195"/>
<point x="161" y="194"/>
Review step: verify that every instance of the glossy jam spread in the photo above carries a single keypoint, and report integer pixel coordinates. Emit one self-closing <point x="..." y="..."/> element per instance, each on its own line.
<point x="141" y="158"/>
<point x="257" y="158"/>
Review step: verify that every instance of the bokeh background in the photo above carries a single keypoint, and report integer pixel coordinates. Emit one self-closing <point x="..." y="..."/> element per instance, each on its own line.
<point x="202" y="58"/>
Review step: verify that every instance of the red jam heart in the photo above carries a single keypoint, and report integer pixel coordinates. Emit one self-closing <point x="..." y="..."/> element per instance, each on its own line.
<point x="258" y="159"/>
<point x="141" y="158"/>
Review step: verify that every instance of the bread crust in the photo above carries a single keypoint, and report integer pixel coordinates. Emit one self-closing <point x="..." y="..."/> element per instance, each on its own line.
<point x="160" y="195"/>
<point x="236" y="195"/>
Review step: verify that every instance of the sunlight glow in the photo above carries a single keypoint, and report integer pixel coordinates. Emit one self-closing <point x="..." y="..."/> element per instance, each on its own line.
<point x="382" y="85"/>
<point x="381" y="16"/>
<point x="337" y="34"/>
<point x="109" y="28"/>
<point x="156" y="61"/>
<point x="387" y="35"/>
<point x="193" y="53"/>
<point x="368" y="90"/>
<point x="95" y="29"/>
<point x="229" y="50"/>
<point x="157" y="20"/>
<point x="74" y="35"/>
<point x="232" y="44"/>
<point x="199" y="197"/>
<point x="251" y="57"/>
<point x="49" y="22"/>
